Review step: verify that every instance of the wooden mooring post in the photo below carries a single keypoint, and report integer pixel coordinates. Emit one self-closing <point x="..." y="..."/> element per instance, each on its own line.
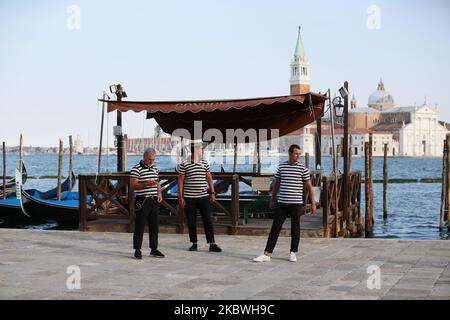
<point x="372" y="211"/>
<point x="448" y="180"/>
<point x="70" y="162"/>
<point x="60" y="155"/>
<point x="20" y="154"/>
<point x="444" y="185"/>
<point x="4" y="169"/>
<point x="385" y="183"/>
<point x="368" y="216"/>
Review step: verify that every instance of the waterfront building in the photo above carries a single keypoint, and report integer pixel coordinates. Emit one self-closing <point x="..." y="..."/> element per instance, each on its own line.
<point x="416" y="129"/>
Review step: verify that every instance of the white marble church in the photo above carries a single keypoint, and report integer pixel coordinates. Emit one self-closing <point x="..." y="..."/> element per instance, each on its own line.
<point x="409" y="131"/>
<point x="416" y="129"/>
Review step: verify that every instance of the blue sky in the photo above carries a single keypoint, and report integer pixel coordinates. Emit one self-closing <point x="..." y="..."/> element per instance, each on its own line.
<point x="51" y="76"/>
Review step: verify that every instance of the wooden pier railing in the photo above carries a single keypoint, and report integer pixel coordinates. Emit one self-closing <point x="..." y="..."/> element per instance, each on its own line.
<point x="110" y="196"/>
<point x="176" y="215"/>
<point x="333" y="213"/>
<point x="106" y="196"/>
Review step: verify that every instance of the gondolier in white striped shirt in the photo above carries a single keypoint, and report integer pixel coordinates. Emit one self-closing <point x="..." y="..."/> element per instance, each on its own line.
<point x="145" y="182"/>
<point x="193" y="194"/>
<point x="290" y="178"/>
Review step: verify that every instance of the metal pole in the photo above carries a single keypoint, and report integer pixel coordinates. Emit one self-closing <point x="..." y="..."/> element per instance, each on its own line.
<point x="119" y="137"/>
<point x="235" y="157"/>
<point x="345" y="178"/>
<point x="259" y="152"/>
<point x="101" y="135"/>
<point x="124" y="152"/>
<point x="255" y="157"/>
<point x="318" y="158"/>
<point x="350" y="153"/>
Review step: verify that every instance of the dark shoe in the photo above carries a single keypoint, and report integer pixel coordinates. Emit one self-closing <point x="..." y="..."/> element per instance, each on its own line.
<point x="156" y="253"/>
<point x="138" y="254"/>
<point x="194" y="247"/>
<point x="214" y="248"/>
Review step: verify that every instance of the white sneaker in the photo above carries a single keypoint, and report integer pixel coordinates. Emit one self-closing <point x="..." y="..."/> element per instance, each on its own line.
<point x="292" y="257"/>
<point x="262" y="258"/>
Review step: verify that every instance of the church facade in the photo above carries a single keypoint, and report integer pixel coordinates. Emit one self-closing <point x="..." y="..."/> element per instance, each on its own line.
<point x="415" y="129"/>
<point x="408" y="131"/>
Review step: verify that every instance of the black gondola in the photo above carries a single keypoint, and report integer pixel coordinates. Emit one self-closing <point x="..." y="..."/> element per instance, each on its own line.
<point x="10" y="208"/>
<point x="39" y="205"/>
<point x="11" y="184"/>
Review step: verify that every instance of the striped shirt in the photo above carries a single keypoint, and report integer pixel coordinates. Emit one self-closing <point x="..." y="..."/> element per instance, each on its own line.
<point x="195" y="184"/>
<point x="292" y="179"/>
<point x="143" y="172"/>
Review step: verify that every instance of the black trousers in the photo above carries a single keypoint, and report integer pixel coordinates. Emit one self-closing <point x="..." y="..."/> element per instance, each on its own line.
<point x="282" y="211"/>
<point x="147" y="209"/>
<point x="203" y="206"/>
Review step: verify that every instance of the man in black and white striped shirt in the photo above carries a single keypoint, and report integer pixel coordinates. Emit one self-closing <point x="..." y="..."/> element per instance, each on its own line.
<point x="145" y="182"/>
<point x="193" y="181"/>
<point x="290" y="178"/>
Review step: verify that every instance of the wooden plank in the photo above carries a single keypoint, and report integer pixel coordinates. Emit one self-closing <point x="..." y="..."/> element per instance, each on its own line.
<point x="247" y="182"/>
<point x="169" y="207"/>
<point x="218" y="205"/>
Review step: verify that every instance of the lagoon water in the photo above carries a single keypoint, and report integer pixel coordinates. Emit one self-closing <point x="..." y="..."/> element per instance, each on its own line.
<point x="413" y="207"/>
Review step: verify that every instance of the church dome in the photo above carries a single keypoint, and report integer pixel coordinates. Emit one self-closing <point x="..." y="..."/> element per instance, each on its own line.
<point x="381" y="99"/>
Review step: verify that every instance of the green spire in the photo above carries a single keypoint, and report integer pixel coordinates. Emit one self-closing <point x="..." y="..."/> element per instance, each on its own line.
<point x="299" y="49"/>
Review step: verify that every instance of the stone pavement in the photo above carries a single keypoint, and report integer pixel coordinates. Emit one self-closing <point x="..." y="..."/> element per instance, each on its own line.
<point x="33" y="265"/>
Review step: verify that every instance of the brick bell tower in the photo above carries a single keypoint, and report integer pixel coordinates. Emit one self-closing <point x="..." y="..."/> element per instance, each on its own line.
<point x="300" y="80"/>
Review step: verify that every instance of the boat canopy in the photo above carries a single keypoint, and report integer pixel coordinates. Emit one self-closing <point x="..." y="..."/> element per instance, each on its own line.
<point x="285" y="113"/>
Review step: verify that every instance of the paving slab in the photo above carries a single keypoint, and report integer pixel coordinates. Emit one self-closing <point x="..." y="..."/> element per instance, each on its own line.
<point x="40" y="265"/>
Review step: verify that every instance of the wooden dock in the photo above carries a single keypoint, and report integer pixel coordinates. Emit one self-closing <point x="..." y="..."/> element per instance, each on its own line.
<point x="311" y="226"/>
<point x="112" y="208"/>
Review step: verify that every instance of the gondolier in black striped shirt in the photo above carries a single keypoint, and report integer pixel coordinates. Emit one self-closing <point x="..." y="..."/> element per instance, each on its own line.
<point x="145" y="182"/>
<point x="290" y="178"/>
<point x="193" y="194"/>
